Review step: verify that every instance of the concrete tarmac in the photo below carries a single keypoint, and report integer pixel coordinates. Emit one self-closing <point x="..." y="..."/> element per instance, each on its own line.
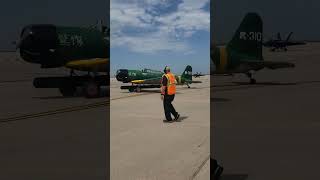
<point x="44" y="135"/>
<point x="270" y="130"/>
<point x="144" y="147"/>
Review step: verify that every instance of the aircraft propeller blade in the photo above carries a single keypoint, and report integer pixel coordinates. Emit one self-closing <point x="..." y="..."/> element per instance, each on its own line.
<point x="279" y="36"/>
<point x="288" y="38"/>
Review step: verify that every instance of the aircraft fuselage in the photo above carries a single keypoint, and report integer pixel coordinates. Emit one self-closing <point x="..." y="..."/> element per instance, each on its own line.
<point x="53" y="46"/>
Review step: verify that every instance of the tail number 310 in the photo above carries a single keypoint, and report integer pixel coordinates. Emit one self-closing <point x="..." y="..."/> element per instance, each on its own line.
<point x="252" y="36"/>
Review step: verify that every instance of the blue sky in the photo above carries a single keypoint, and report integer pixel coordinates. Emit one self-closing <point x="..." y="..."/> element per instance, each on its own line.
<point x="155" y="33"/>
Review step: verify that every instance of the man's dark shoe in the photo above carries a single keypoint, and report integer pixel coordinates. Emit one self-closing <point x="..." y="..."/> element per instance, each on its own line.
<point x="177" y="117"/>
<point x="216" y="170"/>
<point x="168" y="121"/>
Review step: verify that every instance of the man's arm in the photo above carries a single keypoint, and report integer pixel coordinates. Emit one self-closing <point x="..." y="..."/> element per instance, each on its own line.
<point x="164" y="83"/>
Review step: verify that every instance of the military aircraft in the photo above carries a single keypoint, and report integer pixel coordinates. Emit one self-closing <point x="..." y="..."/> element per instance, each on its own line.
<point x="279" y="44"/>
<point x="76" y="48"/>
<point x="243" y="54"/>
<point x="198" y="74"/>
<point x="148" y="78"/>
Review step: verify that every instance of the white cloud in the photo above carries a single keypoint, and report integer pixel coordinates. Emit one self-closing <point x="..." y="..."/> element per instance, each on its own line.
<point x="153" y="33"/>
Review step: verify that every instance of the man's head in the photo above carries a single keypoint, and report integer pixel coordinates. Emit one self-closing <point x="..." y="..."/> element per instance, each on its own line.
<point x="166" y="69"/>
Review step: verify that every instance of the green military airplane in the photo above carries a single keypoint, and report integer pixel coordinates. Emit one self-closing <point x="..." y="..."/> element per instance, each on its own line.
<point x="76" y="48"/>
<point x="148" y="78"/>
<point x="243" y="54"/>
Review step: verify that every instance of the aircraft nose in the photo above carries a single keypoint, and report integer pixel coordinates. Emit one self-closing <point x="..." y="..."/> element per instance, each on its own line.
<point x="122" y="75"/>
<point x="36" y="41"/>
<point x="26" y="45"/>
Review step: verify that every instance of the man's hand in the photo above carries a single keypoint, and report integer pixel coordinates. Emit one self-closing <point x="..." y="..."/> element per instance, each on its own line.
<point x="162" y="97"/>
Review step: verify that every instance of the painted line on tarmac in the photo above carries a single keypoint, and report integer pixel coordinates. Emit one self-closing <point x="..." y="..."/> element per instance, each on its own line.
<point x="54" y="112"/>
<point x="194" y="175"/>
<point x="62" y="110"/>
<point x="68" y="109"/>
<point x="14" y="81"/>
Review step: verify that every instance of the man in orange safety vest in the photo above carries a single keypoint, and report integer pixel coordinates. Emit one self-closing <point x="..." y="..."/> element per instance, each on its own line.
<point x="168" y="91"/>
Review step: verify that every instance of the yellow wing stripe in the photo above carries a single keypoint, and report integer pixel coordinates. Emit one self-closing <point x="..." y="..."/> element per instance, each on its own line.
<point x="87" y="63"/>
<point x="137" y="81"/>
<point x="223" y="59"/>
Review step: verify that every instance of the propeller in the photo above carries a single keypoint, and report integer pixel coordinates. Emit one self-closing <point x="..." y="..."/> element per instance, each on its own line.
<point x="16" y="44"/>
<point x="289" y="36"/>
<point x="279" y="36"/>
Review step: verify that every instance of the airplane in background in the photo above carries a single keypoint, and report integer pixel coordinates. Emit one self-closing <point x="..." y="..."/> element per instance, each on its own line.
<point x="76" y="48"/>
<point x="279" y="44"/>
<point x="243" y="54"/>
<point x="148" y="78"/>
<point x="198" y="74"/>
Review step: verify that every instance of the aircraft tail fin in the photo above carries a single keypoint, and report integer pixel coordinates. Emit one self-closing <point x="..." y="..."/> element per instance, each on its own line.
<point x="187" y="74"/>
<point x="248" y="38"/>
<point x="289" y="36"/>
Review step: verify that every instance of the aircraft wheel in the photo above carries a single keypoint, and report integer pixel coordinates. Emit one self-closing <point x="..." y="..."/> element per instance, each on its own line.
<point x="138" y="89"/>
<point x="67" y="91"/>
<point x="92" y="89"/>
<point x="253" y="81"/>
<point x="131" y="89"/>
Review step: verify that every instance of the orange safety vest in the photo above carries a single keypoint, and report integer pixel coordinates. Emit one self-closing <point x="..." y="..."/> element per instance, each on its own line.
<point x="171" y="84"/>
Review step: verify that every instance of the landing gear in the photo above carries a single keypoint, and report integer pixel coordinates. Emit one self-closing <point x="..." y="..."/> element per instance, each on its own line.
<point x="68" y="85"/>
<point x="131" y="89"/>
<point x="91" y="89"/>
<point x="188" y="85"/>
<point x="138" y="89"/>
<point x="134" y="89"/>
<point x="67" y="90"/>
<point x="252" y="80"/>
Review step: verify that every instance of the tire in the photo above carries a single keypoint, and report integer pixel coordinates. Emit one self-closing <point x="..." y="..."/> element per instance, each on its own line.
<point x="67" y="91"/>
<point x="253" y="81"/>
<point x="92" y="89"/>
<point x="131" y="89"/>
<point x="138" y="89"/>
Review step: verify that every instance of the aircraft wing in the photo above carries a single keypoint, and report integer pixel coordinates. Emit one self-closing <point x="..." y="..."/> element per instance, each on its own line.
<point x="92" y="65"/>
<point x="147" y="81"/>
<point x="268" y="64"/>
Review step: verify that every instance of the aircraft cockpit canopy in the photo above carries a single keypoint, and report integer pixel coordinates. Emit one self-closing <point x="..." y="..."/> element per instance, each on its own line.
<point x="150" y="71"/>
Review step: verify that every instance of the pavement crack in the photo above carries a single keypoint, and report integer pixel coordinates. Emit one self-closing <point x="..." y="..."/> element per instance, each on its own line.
<point x="56" y="111"/>
<point x="199" y="168"/>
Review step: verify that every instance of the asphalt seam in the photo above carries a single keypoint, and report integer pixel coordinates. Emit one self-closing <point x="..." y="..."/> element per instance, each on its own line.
<point x="53" y="112"/>
<point x="70" y="109"/>
<point x="199" y="168"/>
